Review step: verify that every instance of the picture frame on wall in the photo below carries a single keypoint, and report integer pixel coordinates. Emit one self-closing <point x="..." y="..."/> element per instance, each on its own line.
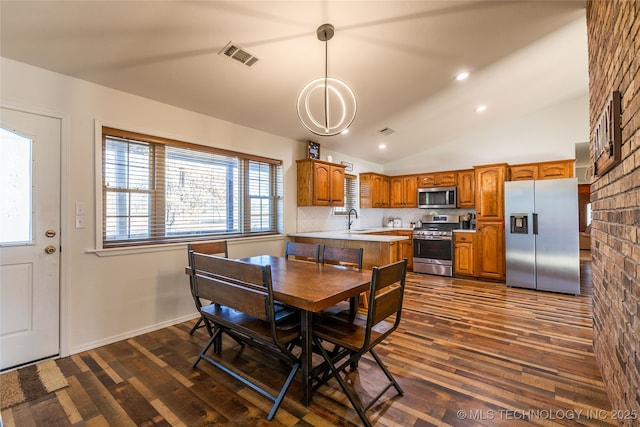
<point x="607" y="136"/>
<point x="313" y="150"/>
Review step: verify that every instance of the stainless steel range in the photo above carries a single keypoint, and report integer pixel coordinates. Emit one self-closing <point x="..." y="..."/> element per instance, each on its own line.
<point x="433" y="245"/>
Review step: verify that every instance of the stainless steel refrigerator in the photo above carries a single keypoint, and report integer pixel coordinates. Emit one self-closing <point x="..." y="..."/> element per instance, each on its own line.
<point x="541" y="229"/>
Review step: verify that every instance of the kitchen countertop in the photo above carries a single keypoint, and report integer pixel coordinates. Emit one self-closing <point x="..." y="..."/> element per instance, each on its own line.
<point x="464" y="231"/>
<point x="363" y="234"/>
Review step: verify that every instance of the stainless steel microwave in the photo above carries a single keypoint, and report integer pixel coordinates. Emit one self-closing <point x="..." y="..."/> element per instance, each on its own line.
<point x="437" y="197"/>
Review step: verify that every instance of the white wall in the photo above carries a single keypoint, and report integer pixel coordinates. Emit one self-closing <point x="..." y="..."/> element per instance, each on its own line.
<point x="549" y="134"/>
<point x="115" y="295"/>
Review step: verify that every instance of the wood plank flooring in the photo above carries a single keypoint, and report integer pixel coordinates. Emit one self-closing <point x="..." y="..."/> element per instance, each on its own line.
<point x="467" y="353"/>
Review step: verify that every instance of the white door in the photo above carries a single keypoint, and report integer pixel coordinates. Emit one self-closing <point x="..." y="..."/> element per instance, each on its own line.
<point x="29" y="237"/>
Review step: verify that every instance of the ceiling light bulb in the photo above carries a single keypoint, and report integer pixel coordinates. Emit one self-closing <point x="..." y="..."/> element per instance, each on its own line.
<point x="480" y="108"/>
<point x="382" y="146"/>
<point x="462" y="75"/>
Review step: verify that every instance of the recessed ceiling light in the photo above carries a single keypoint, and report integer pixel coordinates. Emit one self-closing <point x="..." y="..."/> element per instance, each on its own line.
<point x="344" y="131"/>
<point x="382" y="146"/>
<point x="480" y="108"/>
<point x="462" y="75"/>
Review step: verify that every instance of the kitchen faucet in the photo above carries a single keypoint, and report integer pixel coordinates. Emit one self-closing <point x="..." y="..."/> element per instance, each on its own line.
<point x="349" y="217"/>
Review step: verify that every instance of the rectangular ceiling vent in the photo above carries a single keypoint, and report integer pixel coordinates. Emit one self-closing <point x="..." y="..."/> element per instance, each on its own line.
<point x="238" y="54"/>
<point x="386" y="131"/>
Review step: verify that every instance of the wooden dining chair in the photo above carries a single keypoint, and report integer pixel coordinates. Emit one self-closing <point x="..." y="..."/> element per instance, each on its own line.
<point x="347" y="258"/>
<point x="302" y="251"/>
<point x="354" y="338"/>
<point x="243" y="308"/>
<point x="219" y="247"/>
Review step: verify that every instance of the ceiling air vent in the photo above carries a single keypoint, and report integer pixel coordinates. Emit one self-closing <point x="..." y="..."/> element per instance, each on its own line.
<point x="386" y="131"/>
<point x="239" y="55"/>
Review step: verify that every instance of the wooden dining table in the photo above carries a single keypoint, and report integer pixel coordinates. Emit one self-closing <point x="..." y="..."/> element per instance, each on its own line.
<point x="311" y="288"/>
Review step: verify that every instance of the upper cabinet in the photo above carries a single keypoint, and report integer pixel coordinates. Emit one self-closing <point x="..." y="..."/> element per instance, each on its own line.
<point x="490" y="191"/>
<point x="466" y="188"/>
<point x="320" y="183"/>
<point x="438" y="179"/>
<point x="559" y="169"/>
<point x="404" y="191"/>
<point x="542" y="170"/>
<point x="374" y="190"/>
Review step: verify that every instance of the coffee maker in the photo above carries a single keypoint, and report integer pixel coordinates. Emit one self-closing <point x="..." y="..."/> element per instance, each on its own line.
<point x="468" y="221"/>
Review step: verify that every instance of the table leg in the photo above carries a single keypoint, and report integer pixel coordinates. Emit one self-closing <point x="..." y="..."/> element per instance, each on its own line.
<point x="307" y="355"/>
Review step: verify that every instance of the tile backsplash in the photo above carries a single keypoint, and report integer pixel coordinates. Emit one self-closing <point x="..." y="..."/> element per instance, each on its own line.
<point x="312" y="218"/>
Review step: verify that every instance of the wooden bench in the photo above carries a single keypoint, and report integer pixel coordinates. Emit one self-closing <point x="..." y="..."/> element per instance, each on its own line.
<point x="243" y="307"/>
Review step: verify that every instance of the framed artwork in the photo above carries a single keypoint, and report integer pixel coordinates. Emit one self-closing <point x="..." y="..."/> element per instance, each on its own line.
<point x="607" y="136"/>
<point x="313" y="150"/>
<point x="348" y="167"/>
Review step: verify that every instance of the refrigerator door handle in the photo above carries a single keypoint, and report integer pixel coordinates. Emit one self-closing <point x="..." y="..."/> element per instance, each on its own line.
<point x="535" y="223"/>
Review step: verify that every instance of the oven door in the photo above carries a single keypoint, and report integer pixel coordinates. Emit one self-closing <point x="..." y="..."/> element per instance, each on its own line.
<point x="433" y="256"/>
<point x="437" y="249"/>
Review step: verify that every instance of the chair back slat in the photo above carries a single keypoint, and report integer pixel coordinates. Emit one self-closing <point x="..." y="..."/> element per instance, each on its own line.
<point x="218" y="247"/>
<point x="234" y="284"/>
<point x="302" y="251"/>
<point x="386" y="294"/>
<point x="348" y="257"/>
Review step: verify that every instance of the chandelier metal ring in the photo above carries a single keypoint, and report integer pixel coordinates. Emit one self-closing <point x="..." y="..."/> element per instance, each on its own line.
<point x="326" y="106"/>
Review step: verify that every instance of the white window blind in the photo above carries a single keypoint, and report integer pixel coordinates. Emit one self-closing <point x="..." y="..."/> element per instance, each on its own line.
<point x="158" y="190"/>
<point x="350" y="195"/>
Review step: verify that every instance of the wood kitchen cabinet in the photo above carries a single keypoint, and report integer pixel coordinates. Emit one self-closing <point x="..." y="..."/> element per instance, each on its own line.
<point x="320" y="183"/>
<point x="464" y="253"/>
<point x="542" y="170"/>
<point x="524" y="172"/>
<point x="374" y="190"/>
<point x="405" y="247"/>
<point x="466" y="188"/>
<point x="490" y="191"/>
<point x="556" y="169"/>
<point x="438" y="179"/>
<point x="490" y="220"/>
<point x="403" y="191"/>
<point x="491" y="250"/>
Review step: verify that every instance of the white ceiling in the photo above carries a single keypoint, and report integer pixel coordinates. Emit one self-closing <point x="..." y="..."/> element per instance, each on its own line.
<point x="400" y="57"/>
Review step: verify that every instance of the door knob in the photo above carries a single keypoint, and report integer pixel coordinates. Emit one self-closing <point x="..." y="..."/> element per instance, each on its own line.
<point x="50" y="249"/>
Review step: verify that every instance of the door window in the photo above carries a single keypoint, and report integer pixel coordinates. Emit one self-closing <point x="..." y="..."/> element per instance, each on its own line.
<point x="15" y="188"/>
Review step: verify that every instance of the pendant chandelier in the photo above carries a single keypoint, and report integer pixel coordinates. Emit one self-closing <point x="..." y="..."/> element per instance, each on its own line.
<point x="326" y="106"/>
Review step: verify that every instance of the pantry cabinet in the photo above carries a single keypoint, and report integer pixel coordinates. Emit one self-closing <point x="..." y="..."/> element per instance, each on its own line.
<point x="320" y="183"/>
<point x="464" y="253"/>
<point x="403" y="191"/>
<point x="491" y="250"/>
<point x="490" y="191"/>
<point x="374" y="190"/>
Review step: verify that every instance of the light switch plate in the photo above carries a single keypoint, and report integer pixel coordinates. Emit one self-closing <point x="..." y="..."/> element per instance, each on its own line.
<point x="81" y="208"/>
<point x="81" y="221"/>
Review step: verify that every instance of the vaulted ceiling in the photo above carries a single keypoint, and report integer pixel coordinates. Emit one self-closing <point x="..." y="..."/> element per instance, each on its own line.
<point x="400" y="57"/>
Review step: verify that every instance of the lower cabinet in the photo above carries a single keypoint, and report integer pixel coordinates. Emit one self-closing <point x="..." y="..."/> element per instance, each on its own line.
<point x="464" y="253"/>
<point x="375" y="253"/>
<point x="405" y="247"/>
<point x="491" y="250"/>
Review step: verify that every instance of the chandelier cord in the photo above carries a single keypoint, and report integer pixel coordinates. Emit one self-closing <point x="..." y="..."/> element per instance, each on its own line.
<point x="326" y="84"/>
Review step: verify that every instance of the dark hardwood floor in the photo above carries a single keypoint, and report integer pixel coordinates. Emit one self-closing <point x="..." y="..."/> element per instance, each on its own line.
<point x="467" y="352"/>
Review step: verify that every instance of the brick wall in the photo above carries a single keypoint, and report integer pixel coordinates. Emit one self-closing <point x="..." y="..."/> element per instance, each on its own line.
<point x="614" y="64"/>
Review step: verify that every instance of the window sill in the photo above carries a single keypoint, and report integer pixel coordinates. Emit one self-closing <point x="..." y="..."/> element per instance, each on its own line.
<point x="131" y="250"/>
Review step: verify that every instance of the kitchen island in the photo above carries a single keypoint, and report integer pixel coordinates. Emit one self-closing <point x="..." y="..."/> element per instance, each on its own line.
<point x="382" y="245"/>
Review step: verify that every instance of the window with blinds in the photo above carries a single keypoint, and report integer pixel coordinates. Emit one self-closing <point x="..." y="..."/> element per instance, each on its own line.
<point x="350" y="195"/>
<point x="158" y="190"/>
